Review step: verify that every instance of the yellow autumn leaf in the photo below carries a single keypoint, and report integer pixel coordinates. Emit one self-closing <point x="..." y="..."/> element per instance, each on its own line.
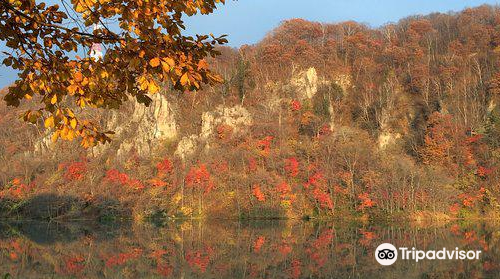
<point x="79" y="8"/>
<point x="169" y="61"/>
<point x="202" y="65"/>
<point x="166" y="67"/>
<point x="78" y="76"/>
<point x="72" y="89"/>
<point x="155" y="62"/>
<point x="64" y="132"/>
<point x="54" y="99"/>
<point x="185" y="79"/>
<point x="49" y="122"/>
<point x="55" y="136"/>
<point x="73" y="123"/>
<point x="143" y="82"/>
<point x="70" y="135"/>
<point x="70" y="113"/>
<point x="153" y="87"/>
<point x="81" y="102"/>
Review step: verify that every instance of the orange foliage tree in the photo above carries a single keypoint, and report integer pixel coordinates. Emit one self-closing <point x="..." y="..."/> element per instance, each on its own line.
<point x="444" y="146"/>
<point x="146" y="52"/>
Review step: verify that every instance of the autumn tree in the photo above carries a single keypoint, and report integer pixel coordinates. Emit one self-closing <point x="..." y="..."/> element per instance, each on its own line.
<point x="145" y="51"/>
<point x="446" y="145"/>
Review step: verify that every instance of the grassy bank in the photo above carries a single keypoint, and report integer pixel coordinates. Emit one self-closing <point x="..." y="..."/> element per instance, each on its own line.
<point x="63" y="208"/>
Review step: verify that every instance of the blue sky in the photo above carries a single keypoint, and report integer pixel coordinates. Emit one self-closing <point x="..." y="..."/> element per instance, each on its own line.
<point x="248" y="21"/>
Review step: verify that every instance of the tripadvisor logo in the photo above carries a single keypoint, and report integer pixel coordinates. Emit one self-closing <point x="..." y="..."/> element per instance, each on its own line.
<point x="387" y="254"/>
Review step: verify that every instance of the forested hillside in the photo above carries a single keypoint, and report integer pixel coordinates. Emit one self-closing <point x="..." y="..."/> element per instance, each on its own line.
<point x="316" y="120"/>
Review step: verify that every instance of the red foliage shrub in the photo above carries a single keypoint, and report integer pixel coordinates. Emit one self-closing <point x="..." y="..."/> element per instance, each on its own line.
<point x="113" y="176"/>
<point x="199" y="259"/>
<point x="284" y="249"/>
<point x="200" y="177"/>
<point x="474" y="139"/>
<point x="259" y="242"/>
<point x="295" y="105"/>
<point x="122" y="258"/>
<point x="467" y="201"/>
<point x="367" y="238"/>
<point x="484" y="172"/>
<point x="164" y="167"/>
<point x="158" y="254"/>
<point x="264" y="145"/>
<point x="76" y="171"/>
<point x="314" y="180"/>
<point x="366" y="201"/>
<point x="116" y="177"/>
<point x="17" y="189"/>
<point x="455" y="229"/>
<point x="323" y="198"/>
<point x="135" y="184"/>
<point x="157" y="182"/>
<point x="74" y="265"/>
<point x="15" y="250"/>
<point x="258" y="193"/>
<point x="283" y="189"/>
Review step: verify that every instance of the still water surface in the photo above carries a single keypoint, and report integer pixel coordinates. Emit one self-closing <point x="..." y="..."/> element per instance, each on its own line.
<point x="253" y="249"/>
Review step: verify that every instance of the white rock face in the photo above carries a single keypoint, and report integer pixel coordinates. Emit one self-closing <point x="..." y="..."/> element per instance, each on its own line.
<point x="43" y="145"/>
<point x="386" y="139"/>
<point x="306" y="84"/>
<point x="187" y="146"/>
<point x="142" y="129"/>
<point x="237" y="117"/>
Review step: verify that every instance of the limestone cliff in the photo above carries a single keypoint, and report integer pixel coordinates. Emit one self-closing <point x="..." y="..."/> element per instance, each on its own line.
<point x="140" y="128"/>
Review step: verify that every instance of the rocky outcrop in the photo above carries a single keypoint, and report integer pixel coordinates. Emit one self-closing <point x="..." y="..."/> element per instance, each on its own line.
<point x="306" y="84"/>
<point x="44" y="144"/>
<point x="138" y="128"/>
<point x="187" y="146"/>
<point x="144" y="127"/>
<point x="386" y="139"/>
<point x="237" y="118"/>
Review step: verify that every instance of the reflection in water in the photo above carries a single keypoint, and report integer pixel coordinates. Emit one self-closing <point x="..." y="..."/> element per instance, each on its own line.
<point x="253" y="249"/>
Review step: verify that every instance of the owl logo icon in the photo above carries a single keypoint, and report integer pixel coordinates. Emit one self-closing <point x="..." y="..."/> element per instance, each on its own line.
<point x="386" y="254"/>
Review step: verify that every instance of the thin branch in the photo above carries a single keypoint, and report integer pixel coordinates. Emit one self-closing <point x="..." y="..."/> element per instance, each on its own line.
<point x="55" y="26"/>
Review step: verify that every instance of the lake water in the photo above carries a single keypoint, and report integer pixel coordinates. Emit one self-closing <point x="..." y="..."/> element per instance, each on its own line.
<point x="231" y="249"/>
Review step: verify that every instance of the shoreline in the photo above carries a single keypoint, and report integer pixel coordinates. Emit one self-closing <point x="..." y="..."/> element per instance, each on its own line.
<point x="119" y="219"/>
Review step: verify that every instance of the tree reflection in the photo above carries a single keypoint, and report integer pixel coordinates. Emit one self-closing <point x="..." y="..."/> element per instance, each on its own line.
<point x="255" y="249"/>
